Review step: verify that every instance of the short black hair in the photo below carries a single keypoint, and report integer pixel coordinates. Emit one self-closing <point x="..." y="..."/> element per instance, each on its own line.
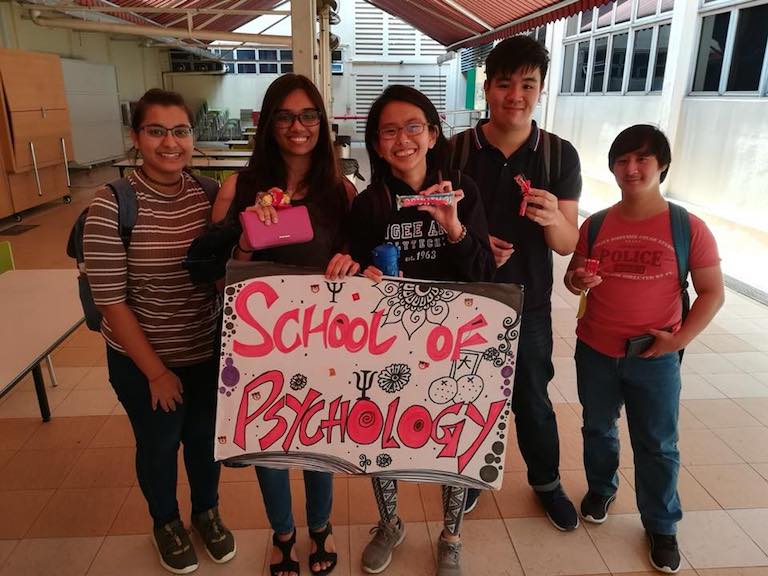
<point x="437" y="156"/>
<point x="158" y="97"/>
<point x="516" y="53"/>
<point x="642" y="138"/>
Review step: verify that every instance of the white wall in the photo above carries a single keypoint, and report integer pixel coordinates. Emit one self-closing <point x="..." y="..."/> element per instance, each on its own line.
<point x="222" y="91"/>
<point x="721" y="158"/>
<point x="591" y="123"/>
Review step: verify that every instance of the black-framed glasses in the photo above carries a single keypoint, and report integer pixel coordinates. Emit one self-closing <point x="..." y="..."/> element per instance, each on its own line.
<point x="179" y="132"/>
<point x="411" y="129"/>
<point x="307" y="117"/>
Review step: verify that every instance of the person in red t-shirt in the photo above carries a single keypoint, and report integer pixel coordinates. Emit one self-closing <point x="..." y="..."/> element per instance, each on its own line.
<point x="635" y="291"/>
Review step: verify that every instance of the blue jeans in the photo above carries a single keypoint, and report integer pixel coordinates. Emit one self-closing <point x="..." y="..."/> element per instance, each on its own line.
<point x="650" y="388"/>
<point x="276" y="491"/>
<point x="159" y="434"/>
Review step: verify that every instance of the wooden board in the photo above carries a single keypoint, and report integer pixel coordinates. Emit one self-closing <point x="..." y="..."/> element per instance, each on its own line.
<point x="32" y="80"/>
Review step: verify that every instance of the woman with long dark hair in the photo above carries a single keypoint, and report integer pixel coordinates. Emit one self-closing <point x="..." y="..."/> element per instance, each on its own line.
<point x="409" y="155"/>
<point x="293" y="152"/>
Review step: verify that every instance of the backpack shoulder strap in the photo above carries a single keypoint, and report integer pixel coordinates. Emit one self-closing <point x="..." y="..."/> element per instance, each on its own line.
<point x="551" y="155"/>
<point x="460" y="149"/>
<point x="209" y="185"/>
<point x="681" y="238"/>
<point x="127" y="208"/>
<point x="595" y="222"/>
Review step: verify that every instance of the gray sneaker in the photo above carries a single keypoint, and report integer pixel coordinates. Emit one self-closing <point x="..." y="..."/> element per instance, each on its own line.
<point x="448" y="555"/>
<point x="176" y="552"/>
<point x="219" y="541"/>
<point x="378" y="553"/>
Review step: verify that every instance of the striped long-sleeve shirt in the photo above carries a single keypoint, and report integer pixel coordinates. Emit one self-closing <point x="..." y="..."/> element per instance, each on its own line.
<point x="178" y="318"/>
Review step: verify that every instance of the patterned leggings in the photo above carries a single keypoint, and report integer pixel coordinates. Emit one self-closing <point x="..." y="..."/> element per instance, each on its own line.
<point x="454" y="499"/>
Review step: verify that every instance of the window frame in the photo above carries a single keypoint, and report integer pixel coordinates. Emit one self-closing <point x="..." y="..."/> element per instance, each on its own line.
<point x="734" y="8"/>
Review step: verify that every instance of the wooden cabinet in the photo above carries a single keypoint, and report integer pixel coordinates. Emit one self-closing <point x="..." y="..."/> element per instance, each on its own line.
<point x="34" y="129"/>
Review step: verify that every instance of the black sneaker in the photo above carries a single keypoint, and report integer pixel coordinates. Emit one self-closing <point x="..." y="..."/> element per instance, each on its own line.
<point x="559" y="509"/>
<point x="473" y="495"/>
<point x="219" y="541"/>
<point x="664" y="553"/>
<point x="594" y="507"/>
<point x="176" y="552"/>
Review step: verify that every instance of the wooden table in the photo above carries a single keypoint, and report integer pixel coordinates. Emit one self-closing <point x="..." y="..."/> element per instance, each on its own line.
<point x="197" y="162"/>
<point x="221" y="153"/>
<point x="238" y="143"/>
<point x="38" y="310"/>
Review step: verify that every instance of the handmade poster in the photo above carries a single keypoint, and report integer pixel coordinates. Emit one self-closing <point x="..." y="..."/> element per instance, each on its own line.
<point x="401" y="379"/>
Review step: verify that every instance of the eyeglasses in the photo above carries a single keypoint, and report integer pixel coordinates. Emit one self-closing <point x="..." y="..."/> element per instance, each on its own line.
<point x="307" y="117"/>
<point x="411" y="129"/>
<point x="179" y="132"/>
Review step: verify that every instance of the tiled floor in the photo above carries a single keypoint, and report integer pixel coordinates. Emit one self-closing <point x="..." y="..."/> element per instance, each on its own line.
<point x="70" y="505"/>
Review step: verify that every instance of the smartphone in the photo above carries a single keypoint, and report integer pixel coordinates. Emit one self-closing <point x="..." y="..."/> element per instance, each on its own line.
<point x="639" y="344"/>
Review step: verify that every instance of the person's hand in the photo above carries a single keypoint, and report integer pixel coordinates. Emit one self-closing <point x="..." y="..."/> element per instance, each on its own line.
<point x="373" y="273"/>
<point x="664" y="342"/>
<point x="165" y="391"/>
<point x="267" y="214"/>
<point x="543" y="208"/>
<point x="501" y="249"/>
<point x="340" y="266"/>
<point x="446" y="216"/>
<point x="583" y="280"/>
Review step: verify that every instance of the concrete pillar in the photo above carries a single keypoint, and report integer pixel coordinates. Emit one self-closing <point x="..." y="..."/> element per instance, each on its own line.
<point x="304" y="37"/>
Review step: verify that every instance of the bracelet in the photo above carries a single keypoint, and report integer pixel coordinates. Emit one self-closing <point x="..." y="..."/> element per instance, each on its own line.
<point x="569" y="284"/>
<point x="150" y="380"/>
<point x="461" y="236"/>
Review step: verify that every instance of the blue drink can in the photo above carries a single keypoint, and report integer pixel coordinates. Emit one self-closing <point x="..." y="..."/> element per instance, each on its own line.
<point x="386" y="258"/>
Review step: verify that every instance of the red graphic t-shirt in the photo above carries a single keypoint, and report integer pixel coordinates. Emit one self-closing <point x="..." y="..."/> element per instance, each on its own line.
<point x="640" y="288"/>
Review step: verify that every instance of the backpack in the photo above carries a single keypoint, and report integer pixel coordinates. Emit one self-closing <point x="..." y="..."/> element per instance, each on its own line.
<point x="681" y="238"/>
<point x="551" y="154"/>
<point x="127" y="211"/>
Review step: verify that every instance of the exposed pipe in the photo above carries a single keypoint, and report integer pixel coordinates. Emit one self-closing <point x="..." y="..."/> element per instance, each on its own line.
<point x="157" y="32"/>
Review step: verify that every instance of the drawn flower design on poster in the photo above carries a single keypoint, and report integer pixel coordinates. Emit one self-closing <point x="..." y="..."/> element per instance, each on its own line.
<point x="413" y="305"/>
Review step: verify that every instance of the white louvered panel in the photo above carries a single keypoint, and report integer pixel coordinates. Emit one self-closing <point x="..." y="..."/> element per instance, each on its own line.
<point x="406" y="79"/>
<point x="369" y="29"/>
<point x="367" y="89"/>
<point x="428" y="47"/>
<point x="401" y="38"/>
<point x="433" y="87"/>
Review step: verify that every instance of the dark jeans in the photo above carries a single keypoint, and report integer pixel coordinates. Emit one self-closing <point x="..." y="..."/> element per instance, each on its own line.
<point x="650" y="388"/>
<point x="276" y="491"/>
<point x="534" y="417"/>
<point x="158" y="435"/>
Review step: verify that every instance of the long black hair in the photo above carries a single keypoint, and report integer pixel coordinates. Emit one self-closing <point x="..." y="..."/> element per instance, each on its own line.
<point x="267" y="168"/>
<point x="437" y="157"/>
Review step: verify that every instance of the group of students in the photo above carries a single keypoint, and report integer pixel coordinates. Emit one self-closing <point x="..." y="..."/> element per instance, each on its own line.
<point x="160" y="328"/>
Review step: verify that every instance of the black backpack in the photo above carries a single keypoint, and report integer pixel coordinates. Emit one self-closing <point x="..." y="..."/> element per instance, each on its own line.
<point x="127" y="211"/>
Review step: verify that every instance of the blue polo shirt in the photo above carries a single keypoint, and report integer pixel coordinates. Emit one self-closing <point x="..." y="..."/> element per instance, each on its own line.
<point x="494" y="173"/>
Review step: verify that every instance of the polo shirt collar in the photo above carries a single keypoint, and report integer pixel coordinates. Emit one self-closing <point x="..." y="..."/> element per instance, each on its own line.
<point x="480" y="141"/>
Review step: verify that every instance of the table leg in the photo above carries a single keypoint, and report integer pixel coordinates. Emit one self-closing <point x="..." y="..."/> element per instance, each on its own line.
<point x="42" y="397"/>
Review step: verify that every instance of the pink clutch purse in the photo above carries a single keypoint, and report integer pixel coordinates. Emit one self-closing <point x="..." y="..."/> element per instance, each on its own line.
<point x="293" y="227"/>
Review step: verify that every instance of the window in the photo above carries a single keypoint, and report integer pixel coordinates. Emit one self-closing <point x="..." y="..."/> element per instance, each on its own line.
<point x="336" y="56"/>
<point x="749" y="49"/>
<point x="230" y="67"/>
<point x="641" y="53"/>
<point x="586" y="21"/>
<point x="227" y="54"/>
<point x="623" y="11"/>
<point x="582" y="58"/>
<point x="246" y="55"/>
<point x="618" y="59"/>
<point x="246" y="68"/>
<point x="267" y="68"/>
<point x="598" y="66"/>
<point x="646" y="8"/>
<point x="709" y="62"/>
<point x="268" y="55"/>
<point x="565" y="84"/>
<point x="604" y="15"/>
<point x="286" y="55"/>
<point x="667" y="5"/>
<point x="662" y="44"/>
<point x="572" y="25"/>
<point x="286" y="68"/>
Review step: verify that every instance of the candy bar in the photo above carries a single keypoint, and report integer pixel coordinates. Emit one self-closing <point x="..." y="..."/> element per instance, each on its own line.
<point x="410" y="200"/>
<point x="591" y="265"/>
<point x="525" y="188"/>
